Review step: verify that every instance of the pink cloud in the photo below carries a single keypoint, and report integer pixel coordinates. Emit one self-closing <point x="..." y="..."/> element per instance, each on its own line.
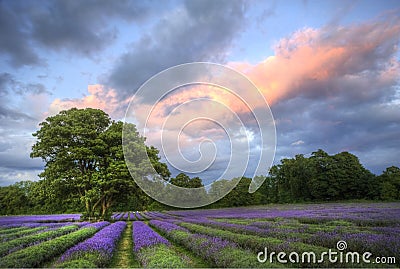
<point x="99" y="97"/>
<point x="322" y="55"/>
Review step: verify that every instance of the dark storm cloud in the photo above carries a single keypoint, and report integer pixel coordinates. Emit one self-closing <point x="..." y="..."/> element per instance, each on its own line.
<point x="15" y="42"/>
<point x="80" y="27"/>
<point x="196" y="31"/>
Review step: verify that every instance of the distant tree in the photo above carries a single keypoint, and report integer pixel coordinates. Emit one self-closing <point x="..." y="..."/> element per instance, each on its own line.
<point x="183" y="180"/>
<point x="320" y="177"/>
<point x="13" y="200"/>
<point x="238" y="196"/>
<point x="319" y="183"/>
<point x="390" y="184"/>
<point x="51" y="197"/>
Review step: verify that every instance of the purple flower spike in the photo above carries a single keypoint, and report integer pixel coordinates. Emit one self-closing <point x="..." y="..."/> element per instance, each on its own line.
<point x="103" y="242"/>
<point x="144" y="236"/>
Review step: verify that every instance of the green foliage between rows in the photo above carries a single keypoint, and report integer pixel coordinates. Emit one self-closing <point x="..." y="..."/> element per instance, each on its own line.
<point x="13" y="245"/>
<point x="160" y="256"/>
<point x="89" y="259"/>
<point x="229" y="257"/>
<point x="4" y="231"/>
<point x="10" y="236"/>
<point x="36" y="255"/>
<point x="253" y="242"/>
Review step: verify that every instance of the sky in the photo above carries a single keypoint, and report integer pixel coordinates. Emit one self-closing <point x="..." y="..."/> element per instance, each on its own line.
<point x="329" y="70"/>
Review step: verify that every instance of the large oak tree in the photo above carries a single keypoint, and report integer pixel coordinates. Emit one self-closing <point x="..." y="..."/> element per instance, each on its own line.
<point x="82" y="149"/>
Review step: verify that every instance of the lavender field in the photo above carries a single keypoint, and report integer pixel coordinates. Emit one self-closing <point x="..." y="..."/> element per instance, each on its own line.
<point x="336" y="235"/>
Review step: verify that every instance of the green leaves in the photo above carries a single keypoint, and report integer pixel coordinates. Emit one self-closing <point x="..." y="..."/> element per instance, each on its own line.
<point x="36" y="255"/>
<point x="82" y="149"/>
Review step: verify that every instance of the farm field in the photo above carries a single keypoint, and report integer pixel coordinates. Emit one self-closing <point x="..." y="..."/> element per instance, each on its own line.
<point x="232" y="237"/>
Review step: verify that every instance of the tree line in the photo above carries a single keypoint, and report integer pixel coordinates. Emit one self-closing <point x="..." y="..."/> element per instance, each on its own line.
<point x="85" y="171"/>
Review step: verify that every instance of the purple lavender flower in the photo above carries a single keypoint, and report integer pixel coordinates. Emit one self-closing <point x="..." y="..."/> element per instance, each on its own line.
<point x="167" y="226"/>
<point x="144" y="236"/>
<point x="103" y="243"/>
<point x="97" y="225"/>
<point x="209" y="245"/>
<point x="158" y="215"/>
<point x="132" y="216"/>
<point x="125" y="216"/>
<point x="38" y="218"/>
<point x="138" y="216"/>
<point x="360" y="214"/>
<point x="115" y="216"/>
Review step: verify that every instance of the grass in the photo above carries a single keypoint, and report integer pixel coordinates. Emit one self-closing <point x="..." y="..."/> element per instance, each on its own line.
<point x="191" y="259"/>
<point x="123" y="256"/>
<point x="160" y="256"/>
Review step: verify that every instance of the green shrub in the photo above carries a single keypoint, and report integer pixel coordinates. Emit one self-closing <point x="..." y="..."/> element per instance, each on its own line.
<point x="21" y="233"/>
<point x="79" y="263"/>
<point x="160" y="256"/>
<point x="228" y="257"/>
<point x="36" y="255"/>
<point x="256" y="243"/>
<point x="12" y="230"/>
<point x="13" y="245"/>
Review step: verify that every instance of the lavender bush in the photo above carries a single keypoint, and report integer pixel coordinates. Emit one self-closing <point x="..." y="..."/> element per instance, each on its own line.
<point x="97" y="249"/>
<point x="166" y="227"/>
<point x="38" y="218"/>
<point x="144" y="236"/>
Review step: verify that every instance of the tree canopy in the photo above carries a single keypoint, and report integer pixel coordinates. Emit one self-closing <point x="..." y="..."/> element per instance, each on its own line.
<point x="83" y="153"/>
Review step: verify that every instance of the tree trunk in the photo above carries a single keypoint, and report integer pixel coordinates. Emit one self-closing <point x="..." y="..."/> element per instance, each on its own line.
<point x="87" y="205"/>
<point x="105" y="205"/>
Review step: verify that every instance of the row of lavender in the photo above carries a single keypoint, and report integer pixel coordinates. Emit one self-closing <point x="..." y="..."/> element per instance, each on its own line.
<point x="93" y="245"/>
<point x="140" y="216"/>
<point x="36" y="249"/>
<point x="223" y="238"/>
<point x="36" y="220"/>
<point x="127" y="216"/>
<point x="365" y="227"/>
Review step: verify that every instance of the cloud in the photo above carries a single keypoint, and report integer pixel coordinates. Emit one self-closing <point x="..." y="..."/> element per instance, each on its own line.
<point x="8" y="84"/>
<point x="194" y="31"/>
<point x="297" y="143"/>
<point x="10" y="176"/>
<point x="22" y="106"/>
<point x="15" y="42"/>
<point x="79" y="27"/>
<point x="99" y="97"/>
<point x="12" y="90"/>
<point x="335" y="87"/>
<point x="325" y="62"/>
